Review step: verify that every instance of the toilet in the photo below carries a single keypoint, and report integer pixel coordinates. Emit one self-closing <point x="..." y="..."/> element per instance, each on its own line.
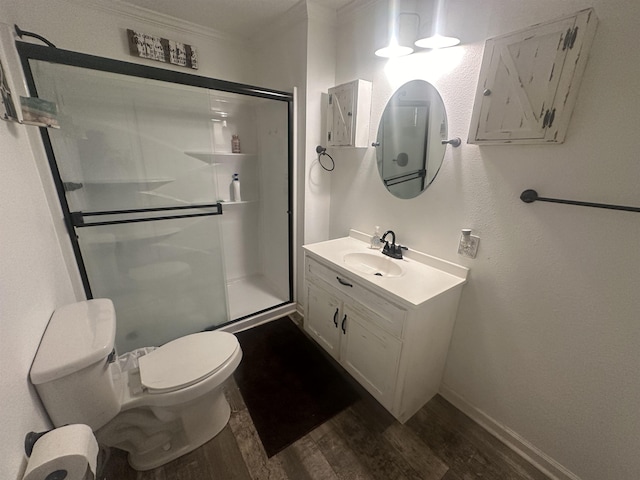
<point x="168" y="405"/>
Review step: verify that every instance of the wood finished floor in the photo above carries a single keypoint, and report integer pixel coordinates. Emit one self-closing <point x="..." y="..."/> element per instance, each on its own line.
<point x="362" y="442"/>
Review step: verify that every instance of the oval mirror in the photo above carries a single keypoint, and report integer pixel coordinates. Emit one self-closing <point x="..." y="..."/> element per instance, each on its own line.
<point x="409" y="147"/>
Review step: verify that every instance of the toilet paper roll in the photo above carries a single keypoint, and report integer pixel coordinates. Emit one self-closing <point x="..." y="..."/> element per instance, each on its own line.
<point x="66" y="453"/>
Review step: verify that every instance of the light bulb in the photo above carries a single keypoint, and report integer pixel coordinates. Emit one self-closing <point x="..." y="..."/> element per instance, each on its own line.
<point x="437" y="41"/>
<point x="393" y="50"/>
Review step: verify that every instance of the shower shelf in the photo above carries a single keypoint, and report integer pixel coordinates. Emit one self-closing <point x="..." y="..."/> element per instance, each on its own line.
<point x="213" y="158"/>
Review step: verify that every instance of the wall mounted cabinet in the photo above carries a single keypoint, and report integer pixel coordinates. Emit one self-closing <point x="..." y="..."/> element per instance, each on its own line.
<point x="348" y="114"/>
<point x="529" y="82"/>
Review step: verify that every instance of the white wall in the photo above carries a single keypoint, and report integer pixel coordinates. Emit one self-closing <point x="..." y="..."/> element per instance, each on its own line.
<point x="98" y="27"/>
<point x="546" y="341"/>
<point x="37" y="273"/>
<point x="321" y="61"/>
<point x="33" y="282"/>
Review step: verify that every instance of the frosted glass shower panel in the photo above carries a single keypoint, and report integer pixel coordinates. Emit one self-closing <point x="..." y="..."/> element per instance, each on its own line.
<point x="271" y="120"/>
<point x="255" y="231"/>
<point x="143" y="166"/>
<point x="165" y="277"/>
<point x="122" y="139"/>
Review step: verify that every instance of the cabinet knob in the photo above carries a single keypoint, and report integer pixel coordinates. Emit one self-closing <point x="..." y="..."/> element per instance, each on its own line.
<point x="486" y="92"/>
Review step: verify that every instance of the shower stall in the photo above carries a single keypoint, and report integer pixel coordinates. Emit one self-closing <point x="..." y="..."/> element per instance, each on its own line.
<point x="143" y="165"/>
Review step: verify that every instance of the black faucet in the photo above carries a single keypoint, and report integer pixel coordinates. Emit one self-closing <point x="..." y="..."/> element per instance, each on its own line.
<point x="393" y="250"/>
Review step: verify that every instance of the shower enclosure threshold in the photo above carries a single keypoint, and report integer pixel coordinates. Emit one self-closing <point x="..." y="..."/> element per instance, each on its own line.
<point x="251" y="294"/>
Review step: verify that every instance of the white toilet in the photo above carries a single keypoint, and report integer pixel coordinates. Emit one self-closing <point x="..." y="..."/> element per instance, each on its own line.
<point x="170" y="405"/>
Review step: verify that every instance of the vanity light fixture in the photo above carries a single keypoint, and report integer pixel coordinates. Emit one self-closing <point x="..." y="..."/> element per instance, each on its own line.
<point x="436" y="40"/>
<point x="394" y="49"/>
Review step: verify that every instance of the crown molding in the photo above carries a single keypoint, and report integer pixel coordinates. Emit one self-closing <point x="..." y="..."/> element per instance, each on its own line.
<point x="297" y="13"/>
<point x="321" y="13"/>
<point x="122" y="9"/>
<point x="302" y="11"/>
<point x="351" y="9"/>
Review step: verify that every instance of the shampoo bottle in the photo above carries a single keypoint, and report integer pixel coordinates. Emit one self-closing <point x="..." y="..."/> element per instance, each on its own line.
<point x="236" y="188"/>
<point x="235" y="144"/>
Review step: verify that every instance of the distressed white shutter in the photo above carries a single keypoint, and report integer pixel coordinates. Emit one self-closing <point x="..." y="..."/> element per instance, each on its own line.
<point x="529" y="80"/>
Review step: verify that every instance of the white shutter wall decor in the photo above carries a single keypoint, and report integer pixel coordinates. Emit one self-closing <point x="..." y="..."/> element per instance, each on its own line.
<point x="529" y="82"/>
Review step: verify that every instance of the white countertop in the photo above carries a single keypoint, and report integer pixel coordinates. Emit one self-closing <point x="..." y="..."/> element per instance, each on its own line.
<point x="424" y="276"/>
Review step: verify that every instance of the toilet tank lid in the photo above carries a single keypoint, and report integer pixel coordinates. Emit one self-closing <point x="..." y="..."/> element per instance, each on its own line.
<point x="78" y="335"/>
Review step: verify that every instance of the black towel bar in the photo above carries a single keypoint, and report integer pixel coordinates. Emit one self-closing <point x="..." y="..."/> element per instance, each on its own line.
<point x="530" y="196"/>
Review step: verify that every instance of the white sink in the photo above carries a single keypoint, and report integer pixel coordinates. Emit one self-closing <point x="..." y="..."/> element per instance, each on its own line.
<point x="415" y="279"/>
<point x="374" y="264"/>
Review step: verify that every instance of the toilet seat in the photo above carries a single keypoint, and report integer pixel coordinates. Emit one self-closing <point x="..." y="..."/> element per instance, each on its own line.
<point x="186" y="361"/>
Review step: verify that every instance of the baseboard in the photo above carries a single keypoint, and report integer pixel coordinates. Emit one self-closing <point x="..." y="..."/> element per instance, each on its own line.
<point x="515" y="442"/>
<point x="297" y="317"/>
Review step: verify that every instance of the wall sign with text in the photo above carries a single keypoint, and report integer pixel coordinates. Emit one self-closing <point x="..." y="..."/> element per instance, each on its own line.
<point x="162" y="50"/>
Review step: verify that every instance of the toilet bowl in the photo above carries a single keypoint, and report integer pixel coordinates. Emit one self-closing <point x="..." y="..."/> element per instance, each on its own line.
<point x="167" y="403"/>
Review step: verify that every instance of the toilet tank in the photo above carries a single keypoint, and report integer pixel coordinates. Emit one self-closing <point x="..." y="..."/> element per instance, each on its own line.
<point x="72" y="371"/>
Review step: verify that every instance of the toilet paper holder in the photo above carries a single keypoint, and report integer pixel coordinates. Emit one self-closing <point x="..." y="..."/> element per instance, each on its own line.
<point x="104" y="453"/>
<point x="30" y="440"/>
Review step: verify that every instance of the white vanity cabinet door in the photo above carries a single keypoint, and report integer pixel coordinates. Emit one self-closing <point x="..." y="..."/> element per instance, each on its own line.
<point x="323" y="317"/>
<point x="370" y="354"/>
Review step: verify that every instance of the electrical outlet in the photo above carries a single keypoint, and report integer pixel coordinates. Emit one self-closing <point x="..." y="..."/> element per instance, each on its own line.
<point x="468" y="246"/>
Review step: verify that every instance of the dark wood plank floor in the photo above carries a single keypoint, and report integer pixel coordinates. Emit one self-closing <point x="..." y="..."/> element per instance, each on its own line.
<point x="362" y="442"/>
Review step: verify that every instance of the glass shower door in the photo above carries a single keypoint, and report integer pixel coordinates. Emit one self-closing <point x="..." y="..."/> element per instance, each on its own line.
<point x="145" y="213"/>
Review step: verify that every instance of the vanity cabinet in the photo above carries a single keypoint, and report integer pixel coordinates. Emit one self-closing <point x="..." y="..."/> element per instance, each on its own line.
<point x="529" y="82"/>
<point x="396" y="352"/>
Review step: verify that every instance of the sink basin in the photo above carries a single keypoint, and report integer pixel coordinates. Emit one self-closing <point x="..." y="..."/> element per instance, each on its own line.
<point x="373" y="264"/>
